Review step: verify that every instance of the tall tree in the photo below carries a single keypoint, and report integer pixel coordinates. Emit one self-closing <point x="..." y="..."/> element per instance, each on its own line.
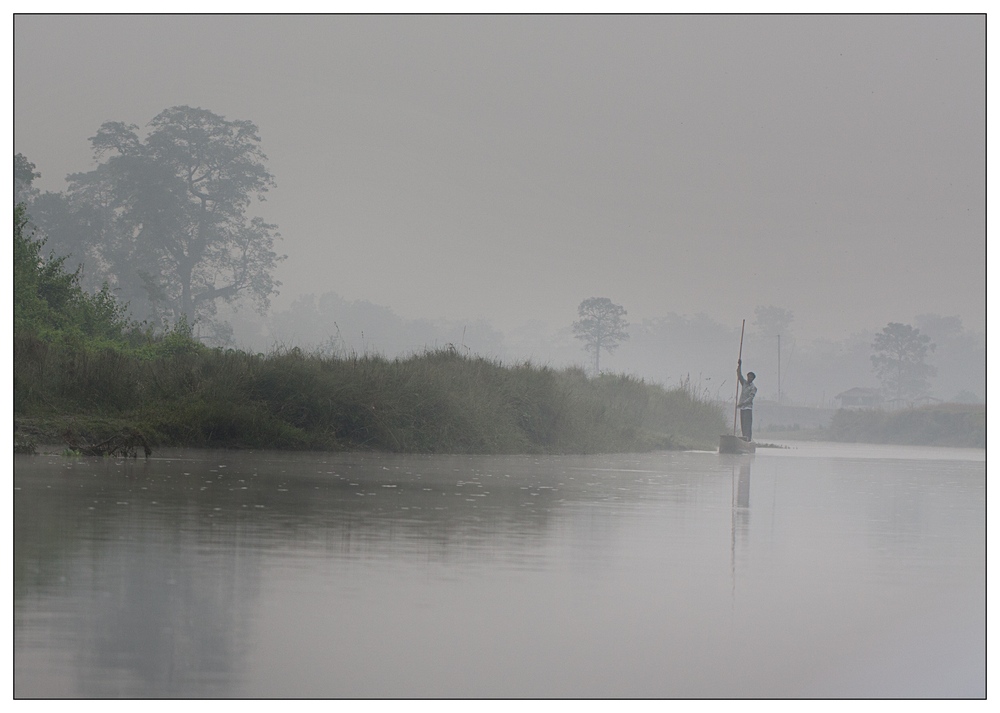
<point x="24" y="175"/>
<point x="899" y="354"/>
<point x="602" y="325"/>
<point x="771" y="321"/>
<point x="167" y="215"/>
<point x="959" y="357"/>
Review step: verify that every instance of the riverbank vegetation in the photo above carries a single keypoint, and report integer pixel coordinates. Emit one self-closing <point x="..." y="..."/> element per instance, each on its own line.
<point x="430" y="403"/>
<point x="85" y="375"/>
<point x="937" y="425"/>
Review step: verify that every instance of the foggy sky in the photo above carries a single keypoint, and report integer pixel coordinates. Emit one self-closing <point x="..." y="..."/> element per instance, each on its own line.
<point x="508" y="167"/>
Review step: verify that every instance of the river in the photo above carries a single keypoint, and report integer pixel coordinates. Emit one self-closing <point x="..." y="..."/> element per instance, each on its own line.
<point x="816" y="570"/>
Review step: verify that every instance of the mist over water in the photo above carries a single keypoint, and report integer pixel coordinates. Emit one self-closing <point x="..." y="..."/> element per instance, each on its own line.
<point x="824" y="570"/>
<point x="775" y="188"/>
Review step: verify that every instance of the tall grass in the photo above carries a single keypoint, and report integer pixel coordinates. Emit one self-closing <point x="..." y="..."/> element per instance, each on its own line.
<point x="81" y="368"/>
<point x="179" y="393"/>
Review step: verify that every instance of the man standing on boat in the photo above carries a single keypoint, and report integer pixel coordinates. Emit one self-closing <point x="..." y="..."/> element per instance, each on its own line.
<point x="745" y="404"/>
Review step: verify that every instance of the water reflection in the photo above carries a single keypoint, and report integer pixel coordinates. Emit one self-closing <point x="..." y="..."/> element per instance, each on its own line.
<point x="743" y="487"/>
<point x="162" y="561"/>
<point x="740" y="525"/>
<point x="226" y="574"/>
<point x="117" y="543"/>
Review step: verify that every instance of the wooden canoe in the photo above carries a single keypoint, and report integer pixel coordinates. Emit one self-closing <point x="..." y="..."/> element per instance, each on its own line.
<point x="735" y="444"/>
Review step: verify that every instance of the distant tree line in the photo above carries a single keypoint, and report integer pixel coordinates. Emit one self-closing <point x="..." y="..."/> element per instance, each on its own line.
<point x="163" y="223"/>
<point x="896" y="358"/>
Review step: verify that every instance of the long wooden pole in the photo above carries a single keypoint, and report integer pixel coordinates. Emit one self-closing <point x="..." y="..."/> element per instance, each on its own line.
<point x="739" y="359"/>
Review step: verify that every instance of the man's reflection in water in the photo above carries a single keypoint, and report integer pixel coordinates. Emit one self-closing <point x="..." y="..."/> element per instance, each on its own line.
<point x="741" y="513"/>
<point x="743" y="487"/>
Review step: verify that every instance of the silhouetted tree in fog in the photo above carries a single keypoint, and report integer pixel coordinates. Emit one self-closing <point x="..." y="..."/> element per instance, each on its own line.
<point x="771" y="321"/>
<point x="24" y="175"/>
<point x="959" y="357"/>
<point x="164" y="218"/>
<point x="899" y="358"/>
<point x="602" y="325"/>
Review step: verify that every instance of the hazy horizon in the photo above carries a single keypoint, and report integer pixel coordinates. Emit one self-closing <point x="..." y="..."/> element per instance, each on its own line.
<point x="505" y="168"/>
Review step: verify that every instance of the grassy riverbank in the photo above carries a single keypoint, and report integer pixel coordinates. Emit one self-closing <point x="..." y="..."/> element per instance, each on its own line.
<point x="84" y="374"/>
<point x="175" y="392"/>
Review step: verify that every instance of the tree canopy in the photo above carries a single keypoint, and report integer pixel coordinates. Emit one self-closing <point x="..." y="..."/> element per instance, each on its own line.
<point x="899" y="354"/>
<point x="602" y="326"/>
<point x="771" y="321"/>
<point x="164" y="217"/>
<point x="48" y="299"/>
<point x="24" y="176"/>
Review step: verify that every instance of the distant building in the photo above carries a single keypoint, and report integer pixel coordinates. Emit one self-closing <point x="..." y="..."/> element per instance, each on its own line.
<point x="859" y="397"/>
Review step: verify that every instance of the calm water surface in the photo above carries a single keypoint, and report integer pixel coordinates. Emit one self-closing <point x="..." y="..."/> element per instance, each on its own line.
<point x="821" y="570"/>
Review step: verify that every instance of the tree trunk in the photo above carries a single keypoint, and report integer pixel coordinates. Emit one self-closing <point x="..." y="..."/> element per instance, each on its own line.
<point x="187" y="299"/>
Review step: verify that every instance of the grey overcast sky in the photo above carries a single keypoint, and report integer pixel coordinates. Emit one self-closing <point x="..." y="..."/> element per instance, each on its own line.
<point x="508" y="167"/>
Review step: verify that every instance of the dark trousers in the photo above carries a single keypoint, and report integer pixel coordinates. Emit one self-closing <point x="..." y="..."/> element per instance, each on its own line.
<point x="746" y="423"/>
